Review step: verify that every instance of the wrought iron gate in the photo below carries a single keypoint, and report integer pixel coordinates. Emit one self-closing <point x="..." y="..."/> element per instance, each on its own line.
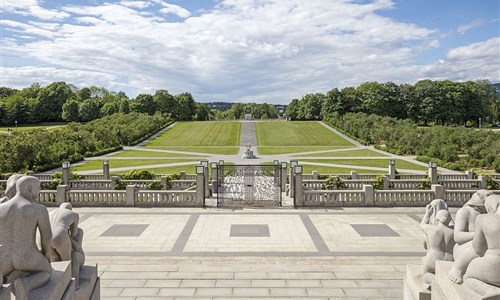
<point x="248" y="185"/>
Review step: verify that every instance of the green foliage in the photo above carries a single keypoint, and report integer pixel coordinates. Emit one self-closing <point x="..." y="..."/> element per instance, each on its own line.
<point x="155" y="185"/>
<point x="491" y="184"/>
<point x="426" y="185"/>
<point x="138" y="174"/>
<point x="334" y="183"/>
<point x="379" y="182"/>
<point x="41" y="150"/>
<point x="120" y="185"/>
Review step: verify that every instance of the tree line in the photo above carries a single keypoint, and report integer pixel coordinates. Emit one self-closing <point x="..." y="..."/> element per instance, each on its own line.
<point x="41" y="150"/>
<point x="426" y="102"/>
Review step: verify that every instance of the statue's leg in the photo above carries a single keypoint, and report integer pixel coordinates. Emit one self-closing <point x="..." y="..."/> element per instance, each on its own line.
<point x="24" y="285"/>
<point x="461" y="263"/>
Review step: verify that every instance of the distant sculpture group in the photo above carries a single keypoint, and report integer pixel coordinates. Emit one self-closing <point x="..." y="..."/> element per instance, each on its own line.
<point x="22" y="263"/>
<point x="472" y="243"/>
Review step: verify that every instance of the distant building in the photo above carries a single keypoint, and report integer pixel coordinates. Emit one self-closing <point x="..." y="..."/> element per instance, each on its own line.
<point x="248" y="117"/>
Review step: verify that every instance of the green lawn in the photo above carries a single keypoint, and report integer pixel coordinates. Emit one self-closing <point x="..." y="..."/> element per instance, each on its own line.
<point x="307" y="169"/>
<point x="349" y="153"/>
<point x="200" y="134"/>
<point x="378" y="163"/>
<point x="138" y="153"/>
<point x="121" y="163"/>
<point x="189" y="169"/>
<point x="202" y="149"/>
<point x="293" y="149"/>
<point x="28" y="127"/>
<point x="297" y="134"/>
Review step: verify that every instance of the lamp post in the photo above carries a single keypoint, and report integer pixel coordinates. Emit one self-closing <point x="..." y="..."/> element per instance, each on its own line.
<point x="433" y="175"/>
<point x="284" y="176"/>
<point x="298" y="198"/>
<point x="105" y="169"/>
<point x="392" y="168"/>
<point x="293" y="163"/>
<point x="66" y="172"/>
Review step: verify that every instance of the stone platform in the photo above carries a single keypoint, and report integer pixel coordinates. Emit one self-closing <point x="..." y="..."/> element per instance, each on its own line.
<point x="168" y="253"/>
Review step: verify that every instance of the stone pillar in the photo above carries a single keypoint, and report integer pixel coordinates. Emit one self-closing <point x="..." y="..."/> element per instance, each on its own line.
<point x="130" y="195"/>
<point x="470" y="174"/>
<point x="66" y="172"/>
<point x="284" y="176"/>
<point x="293" y="163"/>
<point x="61" y="194"/>
<point x="392" y="169"/>
<point x="433" y="174"/>
<point x="214" y="170"/>
<point x="183" y="175"/>
<point x="386" y="181"/>
<point x="438" y="191"/>
<point x="369" y="194"/>
<point x="483" y="182"/>
<point x="163" y="182"/>
<point x="299" y="191"/>
<point x="315" y="175"/>
<point x="105" y="169"/>
<point x="200" y="189"/>
<point x="354" y="175"/>
<point x="114" y="182"/>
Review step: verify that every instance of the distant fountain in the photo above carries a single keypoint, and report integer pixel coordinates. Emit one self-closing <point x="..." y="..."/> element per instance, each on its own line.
<point x="248" y="152"/>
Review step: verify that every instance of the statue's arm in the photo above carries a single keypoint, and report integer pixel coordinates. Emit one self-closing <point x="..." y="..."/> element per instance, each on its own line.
<point x="73" y="228"/>
<point x="427" y="217"/>
<point x="479" y="243"/>
<point x="460" y="233"/>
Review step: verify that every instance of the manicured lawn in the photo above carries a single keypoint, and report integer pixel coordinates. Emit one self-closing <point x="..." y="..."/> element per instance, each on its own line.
<point x="121" y="163"/>
<point x="348" y="153"/>
<point x="211" y="150"/>
<point x="293" y="149"/>
<point x="296" y="134"/>
<point x="189" y="169"/>
<point x="200" y="134"/>
<point x="307" y="169"/>
<point x="138" y="153"/>
<point x="28" y="127"/>
<point x="378" y="163"/>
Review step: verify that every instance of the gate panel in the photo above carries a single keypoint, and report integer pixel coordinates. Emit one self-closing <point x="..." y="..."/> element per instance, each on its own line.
<point x="249" y="185"/>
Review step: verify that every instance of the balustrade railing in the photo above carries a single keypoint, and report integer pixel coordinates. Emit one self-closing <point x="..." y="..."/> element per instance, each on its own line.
<point x="166" y="198"/>
<point x="96" y="198"/>
<point x="403" y="197"/>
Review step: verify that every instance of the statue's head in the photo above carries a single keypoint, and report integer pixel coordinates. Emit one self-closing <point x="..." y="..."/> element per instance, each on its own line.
<point x="28" y="187"/>
<point x="439" y="204"/>
<point x="10" y="189"/>
<point x="477" y="200"/>
<point x="66" y="205"/>
<point x="492" y="203"/>
<point x="443" y="216"/>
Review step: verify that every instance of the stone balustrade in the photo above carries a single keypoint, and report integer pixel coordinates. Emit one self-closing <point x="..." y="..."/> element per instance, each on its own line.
<point x="166" y="198"/>
<point x="403" y="197"/>
<point x="91" y="184"/>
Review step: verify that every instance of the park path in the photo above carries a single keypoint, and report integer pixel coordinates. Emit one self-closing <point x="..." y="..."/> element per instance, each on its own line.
<point x="247" y="137"/>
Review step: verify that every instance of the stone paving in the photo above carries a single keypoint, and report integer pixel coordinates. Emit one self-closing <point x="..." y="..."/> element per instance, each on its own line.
<point x="341" y="253"/>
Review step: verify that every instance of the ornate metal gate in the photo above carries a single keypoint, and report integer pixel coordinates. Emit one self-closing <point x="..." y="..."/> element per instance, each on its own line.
<point x="248" y="185"/>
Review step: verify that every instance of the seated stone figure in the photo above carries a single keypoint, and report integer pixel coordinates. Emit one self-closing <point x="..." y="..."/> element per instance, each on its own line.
<point x="10" y="189"/>
<point x="439" y="242"/>
<point x="67" y="238"/>
<point x="464" y="233"/>
<point x="486" y="247"/>
<point x="22" y="262"/>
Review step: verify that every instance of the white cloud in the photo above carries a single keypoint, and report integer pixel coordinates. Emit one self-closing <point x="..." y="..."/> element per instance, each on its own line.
<point x="466" y="27"/>
<point x="32" y="8"/>
<point x="259" y="50"/>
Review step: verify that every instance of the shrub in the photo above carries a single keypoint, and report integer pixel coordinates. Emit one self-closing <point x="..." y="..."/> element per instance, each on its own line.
<point x="334" y="182"/>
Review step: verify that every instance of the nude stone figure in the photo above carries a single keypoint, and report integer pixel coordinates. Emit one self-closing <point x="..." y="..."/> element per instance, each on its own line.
<point x="22" y="262"/>
<point x="464" y="253"/>
<point x="439" y="242"/>
<point x="67" y="238"/>
<point x="10" y="189"/>
<point x="486" y="246"/>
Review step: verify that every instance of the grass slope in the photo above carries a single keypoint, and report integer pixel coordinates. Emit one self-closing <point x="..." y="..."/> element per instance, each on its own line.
<point x="121" y="163"/>
<point x="138" y="153"/>
<point x="349" y="153"/>
<point x="378" y="163"/>
<point x="200" y="134"/>
<point x="297" y="134"/>
<point x="201" y="149"/>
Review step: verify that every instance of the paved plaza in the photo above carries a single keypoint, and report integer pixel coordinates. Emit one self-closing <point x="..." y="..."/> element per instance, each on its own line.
<point x="340" y="253"/>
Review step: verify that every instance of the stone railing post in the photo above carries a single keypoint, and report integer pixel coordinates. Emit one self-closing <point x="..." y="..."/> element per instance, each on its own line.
<point x="315" y="175"/>
<point x="105" y="169"/>
<point x="130" y="195"/>
<point x="354" y="175"/>
<point x="299" y="191"/>
<point x="114" y="182"/>
<point x="183" y="175"/>
<point x="392" y="169"/>
<point x="200" y="187"/>
<point x="163" y="182"/>
<point x="470" y="174"/>
<point x="62" y="192"/>
<point x="438" y="191"/>
<point x="483" y="182"/>
<point x="385" y="181"/>
<point x="293" y="163"/>
<point x="433" y="173"/>
<point x="283" y="176"/>
<point x="214" y="170"/>
<point x="369" y="194"/>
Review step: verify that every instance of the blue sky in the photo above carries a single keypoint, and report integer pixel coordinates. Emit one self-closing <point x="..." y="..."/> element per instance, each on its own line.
<point x="247" y="50"/>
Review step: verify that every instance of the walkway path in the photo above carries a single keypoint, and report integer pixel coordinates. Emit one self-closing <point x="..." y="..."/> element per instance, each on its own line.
<point x="205" y="253"/>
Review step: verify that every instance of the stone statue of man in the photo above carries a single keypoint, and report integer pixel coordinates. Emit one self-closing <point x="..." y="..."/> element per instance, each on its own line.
<point x="10" y="189"/>
<point x="22" y="262"/>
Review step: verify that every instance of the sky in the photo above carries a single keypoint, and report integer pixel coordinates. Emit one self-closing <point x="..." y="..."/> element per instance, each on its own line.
<point x="246" y="50"/>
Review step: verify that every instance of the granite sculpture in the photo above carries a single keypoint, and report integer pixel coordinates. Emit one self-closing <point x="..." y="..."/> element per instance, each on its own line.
<point x="67" y="239"/>
<point x="437" y="225"/>
<point x="20" y="217"/>
<point x="10" y="189"/>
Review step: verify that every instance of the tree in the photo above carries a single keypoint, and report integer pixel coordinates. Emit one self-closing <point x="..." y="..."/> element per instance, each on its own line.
<point x="292" y="110"/>
<point x="88" y="110"/>
<point x="51" y="100"/>
<point x="202" y="112"/>
<point x="165" y="102"/>
<point x="70" y="111"/>
<point x="110" y="108"/>
<point x="310" y="107"/>
<point x="144" y="103"/>
<point x="186" y="106"/>
<point x="124" y="106"/>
